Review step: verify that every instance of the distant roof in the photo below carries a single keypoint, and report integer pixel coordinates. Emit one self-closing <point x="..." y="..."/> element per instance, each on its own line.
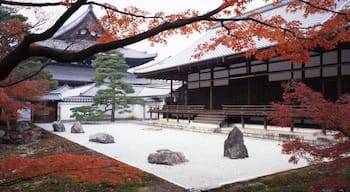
<point x="85" y="93"/>
<point x="78" y="35"/>
<point x="81" y="75"/>
<point x="184" y="57"/>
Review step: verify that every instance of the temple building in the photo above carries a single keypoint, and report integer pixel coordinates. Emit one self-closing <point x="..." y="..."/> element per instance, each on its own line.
<point x="76" y="87"/>
<point x="223" y="81"/>
<point x="78" y="35"/>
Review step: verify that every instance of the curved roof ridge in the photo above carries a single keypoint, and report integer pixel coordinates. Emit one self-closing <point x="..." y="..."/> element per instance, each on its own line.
<point x="74" y="23"/>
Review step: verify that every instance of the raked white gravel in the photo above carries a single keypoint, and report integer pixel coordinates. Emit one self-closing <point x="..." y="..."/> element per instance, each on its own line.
<point x="207" y="167"/>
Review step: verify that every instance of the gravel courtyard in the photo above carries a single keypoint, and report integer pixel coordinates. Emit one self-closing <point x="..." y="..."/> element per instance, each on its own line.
<point x="207" y="167"/>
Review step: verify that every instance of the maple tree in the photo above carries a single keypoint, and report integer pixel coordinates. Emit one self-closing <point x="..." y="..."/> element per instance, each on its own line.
<point x="131" y="24"/>
<point x="24" y="92"/>
<point x="301" y="101"/>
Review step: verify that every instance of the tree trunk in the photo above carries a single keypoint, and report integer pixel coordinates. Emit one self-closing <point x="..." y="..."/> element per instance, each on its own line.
<point x="113" y="110"/>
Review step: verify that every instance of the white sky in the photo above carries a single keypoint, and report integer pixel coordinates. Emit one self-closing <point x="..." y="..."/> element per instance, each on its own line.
<point x="175" y="43"/>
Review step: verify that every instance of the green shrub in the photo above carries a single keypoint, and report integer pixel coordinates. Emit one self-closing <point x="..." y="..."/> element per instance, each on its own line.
<point x="88" y="113"/>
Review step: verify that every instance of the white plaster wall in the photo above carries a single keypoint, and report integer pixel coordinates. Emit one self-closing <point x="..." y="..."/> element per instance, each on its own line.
<point x="64" y="112"/>
<point x="137" y="111"/>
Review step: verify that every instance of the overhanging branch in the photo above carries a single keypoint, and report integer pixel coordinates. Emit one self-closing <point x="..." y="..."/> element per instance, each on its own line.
<point x="26" y="48"/>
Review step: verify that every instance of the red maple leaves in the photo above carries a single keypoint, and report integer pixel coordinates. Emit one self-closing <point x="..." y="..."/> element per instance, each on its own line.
<point x="80" y="168"/>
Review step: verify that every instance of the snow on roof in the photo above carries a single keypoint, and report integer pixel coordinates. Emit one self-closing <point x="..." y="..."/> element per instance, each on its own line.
<point x="185" y="56"/>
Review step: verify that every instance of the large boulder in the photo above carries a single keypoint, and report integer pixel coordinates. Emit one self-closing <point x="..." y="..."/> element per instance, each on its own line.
<point x="167" y="157"/>
<point x="101" y="138"/>
<point x="234" y="147"/>
<point x="77" y="128"/>
<point x="23" y="126"/>
<point x="58" y="126"/>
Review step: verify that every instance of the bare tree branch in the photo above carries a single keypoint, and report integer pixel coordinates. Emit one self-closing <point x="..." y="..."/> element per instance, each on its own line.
<point x="29" y="4"/>
<point x="11" y="83"/>
<point x="21" y="52"/>
<point x="325" y="9"/>
<point x="123" y="12"/>
<point x="222" y="20"/>
<point x="26" y="49"/>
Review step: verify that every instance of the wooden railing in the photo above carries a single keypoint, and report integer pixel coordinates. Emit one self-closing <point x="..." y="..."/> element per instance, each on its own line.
<point x="188" y="110"/>
<point x="247" y="110"/>
<point x="242" y="111"/>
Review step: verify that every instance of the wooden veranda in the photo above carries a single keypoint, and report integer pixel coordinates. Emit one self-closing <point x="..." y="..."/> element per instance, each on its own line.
<point x="189" y="112"/>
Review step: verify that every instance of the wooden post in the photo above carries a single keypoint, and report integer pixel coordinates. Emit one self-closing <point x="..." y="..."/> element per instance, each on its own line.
<point x="211" y="89"/>
<point x="292" y="127"/>
<point x="248" y="70"/>
<point x="158" y="115"/>
<point x="150" y="114"/>
<point x="171" y="91"/>
<point x="167" y="117"/>
<point x="265" y="123"/>
<point x="339" y="71"/>
<point x="242" y="121"/>
<point x="323" y="130"/>
<point x="189" y="118"/>
<point x="177" y="117"/>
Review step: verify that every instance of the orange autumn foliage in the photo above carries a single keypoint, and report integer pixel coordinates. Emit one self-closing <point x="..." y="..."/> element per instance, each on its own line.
<point x="80" y="168"/>
<point x="19" y="96"/>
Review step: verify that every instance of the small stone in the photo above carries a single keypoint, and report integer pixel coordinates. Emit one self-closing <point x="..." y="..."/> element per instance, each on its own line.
<point x="58" y="126"/>
<point x="167" y="157"/>
<point x="77" y="128"/>
<point x="101" y="138"/>
<point x="234" y="147"/>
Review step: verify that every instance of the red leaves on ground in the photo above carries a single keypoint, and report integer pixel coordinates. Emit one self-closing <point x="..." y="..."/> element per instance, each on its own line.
<point x="80" y="168"/>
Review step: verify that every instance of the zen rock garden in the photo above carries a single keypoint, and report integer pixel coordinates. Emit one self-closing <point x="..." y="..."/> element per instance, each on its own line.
<point x="104" y="138"/>
<point x="166" y="157"/>
<point x="234" y="147"/>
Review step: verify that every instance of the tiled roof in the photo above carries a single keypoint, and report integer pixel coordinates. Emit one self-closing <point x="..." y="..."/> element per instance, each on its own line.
<point x="185" y="56"/>
<point x="71" y="73"/>
<point x="67" y="38"/>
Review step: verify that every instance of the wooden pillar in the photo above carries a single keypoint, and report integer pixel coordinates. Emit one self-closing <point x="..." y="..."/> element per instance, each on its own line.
<point x="321" y="75"/>
<point x="248" y="66"/>
<point x="150" y="114"/>
<point x="158" y="115"/>
<point x="211" y="89"/>
<point x="265" y="123"/>
<point x="171" y="91"/>
<point x="189" y="118"/>
<point x="183" y="93"/>
<point x="167" y="117"/>
<point x="339" y="83"/>
<point x="242" y="121"/>
<point x="177" y="117"/>
<point x="248" y="92"/>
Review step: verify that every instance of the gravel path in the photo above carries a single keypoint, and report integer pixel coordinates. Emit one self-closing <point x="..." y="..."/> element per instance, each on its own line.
<point x="207" y="167"/>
